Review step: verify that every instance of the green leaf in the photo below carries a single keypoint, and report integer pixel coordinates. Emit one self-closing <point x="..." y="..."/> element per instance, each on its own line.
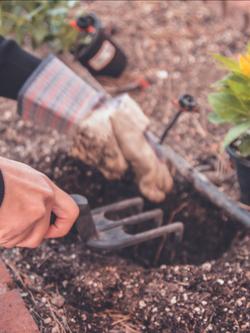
<point x="240" y="89"/>
<point x="58" y="11"/>
<point x="235" y="77"/>
<point x="35" y="12"/>
<point x="39" y="35"/>
<point x="214" y="118"/>
<point x="39" y="21"/>
<point x="72" y="3"/>
<point x="235" y="132"/>
<point x="228" y="63"/>
<point x="226" y="106"/>
<point x="244" y="146"/>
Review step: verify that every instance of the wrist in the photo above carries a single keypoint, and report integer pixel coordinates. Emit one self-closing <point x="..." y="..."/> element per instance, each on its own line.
<point x="54" y="96"/>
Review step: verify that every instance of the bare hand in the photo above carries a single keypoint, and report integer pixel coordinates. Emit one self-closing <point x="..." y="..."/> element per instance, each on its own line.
<point x="30" y="198"/>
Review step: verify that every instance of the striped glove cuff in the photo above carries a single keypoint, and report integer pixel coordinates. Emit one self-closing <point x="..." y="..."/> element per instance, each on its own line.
<point x="54" y="96"/>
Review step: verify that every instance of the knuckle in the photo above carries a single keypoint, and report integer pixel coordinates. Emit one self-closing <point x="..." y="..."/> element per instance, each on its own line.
<point x="7" y="246"/>
<point x="3" y="236"/>
<point x="75" y="212"/>
<point x="62" y="233"/>
<point x="37" y="211"/>
<point x="4" y="241"/>
<point x="48" y="191"/>
<point x="33" y="245"/>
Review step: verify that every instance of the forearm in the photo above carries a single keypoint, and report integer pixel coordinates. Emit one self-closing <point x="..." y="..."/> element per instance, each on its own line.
<point x="16" y="65"/>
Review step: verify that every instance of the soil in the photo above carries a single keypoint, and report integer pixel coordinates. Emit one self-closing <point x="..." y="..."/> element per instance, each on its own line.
<point x="199" y="285"/>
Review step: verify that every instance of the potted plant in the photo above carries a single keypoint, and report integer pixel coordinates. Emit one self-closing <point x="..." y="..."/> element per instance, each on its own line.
<point x="231" y="105"/>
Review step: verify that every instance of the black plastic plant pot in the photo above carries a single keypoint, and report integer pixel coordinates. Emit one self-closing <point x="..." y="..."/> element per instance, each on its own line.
<point x="242" y="166"/>
<point x="101" y="56"/>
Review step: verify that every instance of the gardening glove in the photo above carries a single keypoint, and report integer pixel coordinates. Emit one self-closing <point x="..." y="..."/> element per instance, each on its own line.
<point x="113" y="137"/>
<point x="107" y="133"/>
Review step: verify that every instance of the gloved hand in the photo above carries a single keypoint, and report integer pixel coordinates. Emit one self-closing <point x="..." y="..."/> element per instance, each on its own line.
<point x="113" y="137"/>
<point x="107" y="133"/>
<point x="29" y="198"/>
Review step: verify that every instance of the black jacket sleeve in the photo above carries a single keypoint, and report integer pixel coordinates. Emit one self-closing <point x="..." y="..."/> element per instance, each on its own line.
<point x="2" y="187"/>
<point x="16" y="65"/>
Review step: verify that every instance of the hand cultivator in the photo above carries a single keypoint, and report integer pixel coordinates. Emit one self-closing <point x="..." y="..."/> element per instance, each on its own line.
<point x="100" y="231"/>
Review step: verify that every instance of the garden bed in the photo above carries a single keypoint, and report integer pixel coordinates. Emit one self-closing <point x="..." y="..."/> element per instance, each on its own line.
<point x="200" y="285"/>
<point x="69" y="288"/>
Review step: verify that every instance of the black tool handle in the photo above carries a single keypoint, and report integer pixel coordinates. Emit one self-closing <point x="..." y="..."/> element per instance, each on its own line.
<point x="85" y="224"/>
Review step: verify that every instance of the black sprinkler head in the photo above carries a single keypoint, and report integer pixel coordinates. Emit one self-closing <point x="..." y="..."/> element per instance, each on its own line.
<point x="188" y="103"/>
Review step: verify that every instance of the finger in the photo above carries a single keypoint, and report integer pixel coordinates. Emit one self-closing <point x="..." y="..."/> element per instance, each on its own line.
<point x="66" y="211"/>
<point x="13" y="241"/>
<point x="37" y="234"/>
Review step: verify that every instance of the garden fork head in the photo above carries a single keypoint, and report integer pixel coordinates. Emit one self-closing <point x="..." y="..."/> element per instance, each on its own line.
<point x="100" y="231"/>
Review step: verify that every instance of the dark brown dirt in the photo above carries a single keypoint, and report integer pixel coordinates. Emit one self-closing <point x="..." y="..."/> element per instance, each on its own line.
<point x="200" y="285"/>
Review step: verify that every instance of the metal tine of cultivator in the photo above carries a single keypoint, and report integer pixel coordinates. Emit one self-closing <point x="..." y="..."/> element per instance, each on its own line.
<point x="176" y="228"/>
<point x="119" y="206"/>
<point x="100" y="231"/>
<point x="116" y="238"/>
<point x="156" y="215"/>
<point x="111" y="235"/>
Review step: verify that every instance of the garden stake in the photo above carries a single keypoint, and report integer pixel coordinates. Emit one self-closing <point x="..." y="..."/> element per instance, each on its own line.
<point x="186" y="103"/>
<point x="100" y="231"/>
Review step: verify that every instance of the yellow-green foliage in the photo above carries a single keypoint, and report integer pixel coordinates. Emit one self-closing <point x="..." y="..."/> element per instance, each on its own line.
<point x="231" y="101"/>
<point x="41" y="21"/>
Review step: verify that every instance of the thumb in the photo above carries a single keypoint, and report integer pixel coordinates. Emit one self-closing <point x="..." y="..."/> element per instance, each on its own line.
<point x="66" y="211"/>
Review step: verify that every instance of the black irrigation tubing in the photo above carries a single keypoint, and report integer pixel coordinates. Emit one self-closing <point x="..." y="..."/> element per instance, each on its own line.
<point x="202" y="184"/>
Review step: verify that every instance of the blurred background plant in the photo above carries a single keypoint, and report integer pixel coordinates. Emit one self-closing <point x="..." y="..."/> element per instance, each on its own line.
<point x="39" y="22"/>
<point x="231" y="102"/>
